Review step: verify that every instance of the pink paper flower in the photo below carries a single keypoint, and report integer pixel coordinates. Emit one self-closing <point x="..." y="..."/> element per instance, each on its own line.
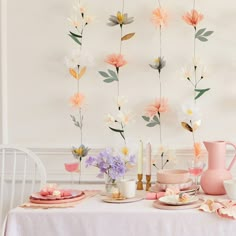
<point x="159" y="17"/>
<point x="193" y="18"/>
<point x="116" y="60"/>
<point x="197" y="149"/>
<point x="77" y="100"/>
<point x="159" y="106"/>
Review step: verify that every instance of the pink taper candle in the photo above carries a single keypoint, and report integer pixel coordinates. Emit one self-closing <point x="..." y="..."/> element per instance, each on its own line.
<point x="148" y="159"/>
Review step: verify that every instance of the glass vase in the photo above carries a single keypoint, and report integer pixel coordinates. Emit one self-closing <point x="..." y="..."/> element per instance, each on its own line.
<point x="110" y="185"/>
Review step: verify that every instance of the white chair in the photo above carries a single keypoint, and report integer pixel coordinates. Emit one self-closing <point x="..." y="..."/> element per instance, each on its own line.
<point x="21" y="173"/>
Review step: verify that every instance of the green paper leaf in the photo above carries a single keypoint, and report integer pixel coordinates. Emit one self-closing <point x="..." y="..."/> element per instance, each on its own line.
<point x="75" y="39"/>
<point x="202" y="39"/>
<point x="104" y="74"/>
<point x="113" y="74"/>
<point x="76" y="123"/>
<point x="200" y="92"/>
<point x="76" y="35"/>
<point x="199" y="32"/>
<point x="208" y="33"/>
<point x="109" y="80"/>
<point x="146" y="118"/>
<point x="116" y="130"/>
<point x="152" y="124"/>
<point x="155" y="118"/>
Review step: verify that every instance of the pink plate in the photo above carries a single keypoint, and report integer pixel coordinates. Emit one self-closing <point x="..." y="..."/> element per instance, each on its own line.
<point x="74" y="193"/>
<point x="56" y="201"/>
<point x="162" y="187"/>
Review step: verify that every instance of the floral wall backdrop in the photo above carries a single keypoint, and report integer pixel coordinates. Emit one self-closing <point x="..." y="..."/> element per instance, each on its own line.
<point x="39" y="85"/>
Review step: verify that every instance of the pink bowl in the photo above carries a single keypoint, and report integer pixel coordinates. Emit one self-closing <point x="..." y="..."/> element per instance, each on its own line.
<point x="172" y="176"/>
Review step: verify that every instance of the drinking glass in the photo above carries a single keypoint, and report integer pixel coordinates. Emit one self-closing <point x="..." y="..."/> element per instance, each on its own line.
<point x="195" y="168"/>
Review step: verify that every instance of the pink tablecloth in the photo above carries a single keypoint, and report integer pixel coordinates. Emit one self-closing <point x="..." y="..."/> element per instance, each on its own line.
<point x="96" y="218"/>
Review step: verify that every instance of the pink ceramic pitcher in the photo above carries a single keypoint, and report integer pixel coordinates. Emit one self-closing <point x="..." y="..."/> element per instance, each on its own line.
<point x="212" y="179"/>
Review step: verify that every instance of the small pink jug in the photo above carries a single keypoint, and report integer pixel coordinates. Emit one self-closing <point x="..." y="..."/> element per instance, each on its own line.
<point x="212" y="179"/>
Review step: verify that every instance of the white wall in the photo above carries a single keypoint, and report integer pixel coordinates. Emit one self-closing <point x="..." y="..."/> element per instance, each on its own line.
<point x="39" y="85"/>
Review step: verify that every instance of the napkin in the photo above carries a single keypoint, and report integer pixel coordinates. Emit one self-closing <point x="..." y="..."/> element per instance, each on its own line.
<point x="154" y="196"/>
<point x="88" y="194"/>
<point x="222" y="207"/>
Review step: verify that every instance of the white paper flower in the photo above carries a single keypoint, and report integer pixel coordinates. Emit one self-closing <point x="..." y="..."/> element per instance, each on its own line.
<point x="81" y="58"/>
<point x="125" y="117"/>
<point x="190" y="111"/>
<point x="120" y="101"/>
<point x="109" y="119"/>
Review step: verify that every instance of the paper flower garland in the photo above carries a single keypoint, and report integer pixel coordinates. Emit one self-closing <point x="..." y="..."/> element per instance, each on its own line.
<point x="153" y="112"/>
<point x="77" y="69"/>
<point x="192" y="121"/>
<point x="117" y="60"/>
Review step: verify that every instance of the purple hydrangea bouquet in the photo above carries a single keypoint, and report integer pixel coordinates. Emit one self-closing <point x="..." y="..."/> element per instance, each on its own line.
<point x="112" y="166"/>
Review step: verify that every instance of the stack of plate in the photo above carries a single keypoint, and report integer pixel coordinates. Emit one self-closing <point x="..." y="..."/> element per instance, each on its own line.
<point x="172" y="178"/>
<point x="38" y="198"/>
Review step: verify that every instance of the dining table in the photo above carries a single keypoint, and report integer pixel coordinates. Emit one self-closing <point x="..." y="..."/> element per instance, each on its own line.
<point x="95" y="217"/>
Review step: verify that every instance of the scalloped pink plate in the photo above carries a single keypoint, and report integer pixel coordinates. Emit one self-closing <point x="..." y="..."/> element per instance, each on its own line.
<point x="56" y="201"/>
<point x="74" y="193"/>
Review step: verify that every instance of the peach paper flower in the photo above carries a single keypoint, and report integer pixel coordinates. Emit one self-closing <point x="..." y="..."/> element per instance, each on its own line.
<point x="159" y="106"/>
<point x="77" y="100"/>
<point x="116" y="60"/>
<point x="197" y="150"/>
<point x="159" y="17"/>
<point x="193" y="18"/>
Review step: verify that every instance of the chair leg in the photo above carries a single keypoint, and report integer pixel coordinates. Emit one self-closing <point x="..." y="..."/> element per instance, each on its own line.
<point x="4" y="226"/>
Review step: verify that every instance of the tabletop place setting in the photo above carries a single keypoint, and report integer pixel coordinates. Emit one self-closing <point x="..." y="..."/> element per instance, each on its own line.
<point x="125" y="129"/>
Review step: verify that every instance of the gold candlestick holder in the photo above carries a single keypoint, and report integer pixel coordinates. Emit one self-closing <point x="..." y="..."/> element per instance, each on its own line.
<point x="148" y="182"/>
<point x="140" y="183"/>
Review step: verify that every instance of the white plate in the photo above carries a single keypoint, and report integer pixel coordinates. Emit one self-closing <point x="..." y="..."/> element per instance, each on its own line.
<point x="174" y="200"/>
<point x="127" y="200"/>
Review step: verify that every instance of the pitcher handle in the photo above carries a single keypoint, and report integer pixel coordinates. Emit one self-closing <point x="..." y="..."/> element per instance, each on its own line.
<point x="234" y="159"/>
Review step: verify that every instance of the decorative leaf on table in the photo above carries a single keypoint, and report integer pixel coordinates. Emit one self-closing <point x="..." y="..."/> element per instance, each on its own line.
<point x="200" y="92"/>
<point x="127" y="36"/>
<point x="75" y="39"/>
<point x="186" y="126"/>
<point x="76" y="35"/>
<point x="73" y="73"/>
<point x="146" y="118"/>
